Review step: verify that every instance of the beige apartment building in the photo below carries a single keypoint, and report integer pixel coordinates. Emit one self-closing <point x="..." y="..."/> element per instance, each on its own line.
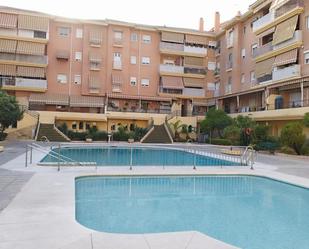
<point x="107" y="73"/>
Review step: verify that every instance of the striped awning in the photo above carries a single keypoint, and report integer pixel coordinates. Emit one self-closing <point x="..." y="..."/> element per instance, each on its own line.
<point x="267" y="32"/>
<point x="86" y="101"/>
<point x="171" y="82"/>
<point x="8" y="20"/>
<point x="121" y="96"/>
<point x="49" y="99"/>
<point x="95" y="57"/>
<point x="95" y="37"/>
<point x="285" y="83"/>
<point x="289" y="87"/>
<point x="33" y="23"/>
<point x="63" y="54"/>
<point x="192" y="82"/>
<point x="264" y="67"/>
<point x="7" y="46"/>
<point x="286" y="58"/>
<point x="197" y="39"/>
<point x="35" y="72"/>
<point x="172" y="37"/>
<point x="117" y="79"/>
<point x="30" y="48"/>
<point x="285" y="30"/>
<point x="94" y="82"/>
<point x="7" y="70"/>
<point x="194" y="61"/>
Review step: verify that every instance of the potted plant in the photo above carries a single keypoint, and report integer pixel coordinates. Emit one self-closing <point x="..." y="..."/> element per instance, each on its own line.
<point x="88" y="138"/>
<point x="131" y="138"/>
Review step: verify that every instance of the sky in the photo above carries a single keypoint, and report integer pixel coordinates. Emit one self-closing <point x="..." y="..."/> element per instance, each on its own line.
<point x="174" y="13"/>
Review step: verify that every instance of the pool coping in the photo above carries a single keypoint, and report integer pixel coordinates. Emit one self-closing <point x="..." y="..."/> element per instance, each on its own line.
<point x="15" y="220"/>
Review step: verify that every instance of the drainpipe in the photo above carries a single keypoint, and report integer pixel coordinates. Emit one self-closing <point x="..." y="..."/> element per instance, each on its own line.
<point x="70" y="65"/>
<point x="302" y="93"/>
<point x="139" y="63"/>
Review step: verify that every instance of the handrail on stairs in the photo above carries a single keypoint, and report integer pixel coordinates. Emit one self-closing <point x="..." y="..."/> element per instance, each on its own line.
<point x="249" y="156"/>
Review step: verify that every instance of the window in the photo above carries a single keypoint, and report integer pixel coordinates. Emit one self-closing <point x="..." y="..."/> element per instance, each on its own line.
<point x="133" y="60"/>
<point x="243" y="53"/>
<point x="243" y="78"/>
<point x="78" y="56"/>
<point x="134" y="37"/>
<point x="252" y="76"/>
<point x="74" y="126"/>
<point x="62" y="78"/>
<point x="245" y="30"/>
<point x="77" y="79"/>
<point x="145" y="82"/>
<point x="133" y="81"/>
<point x="63" y="31"/>
<point x="211" y="86"/>
<point x="39" y="34"/>
<point x="145" y="60"/>
<point x="306" y="55"/>
<point x="87" y="126"/>
<point x="211" y="65"/>
<point x="79" y="33"/>
<point x="230" y="38"/>
<point x="117" y="63"/>
<point x="146" y="39"/>
<point x="118" y="35"/>
<point x="81" y="125"/>
<point x="254" y="47"/>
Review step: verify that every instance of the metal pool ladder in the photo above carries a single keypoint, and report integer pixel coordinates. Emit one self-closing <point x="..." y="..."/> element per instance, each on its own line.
<point x="248" y="157"/>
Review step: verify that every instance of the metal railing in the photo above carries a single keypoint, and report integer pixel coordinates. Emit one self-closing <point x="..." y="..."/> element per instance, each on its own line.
<point x="248" y="157"/>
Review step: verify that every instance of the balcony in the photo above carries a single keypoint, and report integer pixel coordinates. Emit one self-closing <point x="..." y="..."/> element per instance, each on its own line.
<point x="165" y="68"/>
<point x="194" y="92"/>
<point x="263" y="21"/>
<point x="118" y="41"/>
<point x="286" y="73"/>
<point x="195" y="50"/>
<point x="27" y="35"/>
<point x="228" y="89"/>
<point x="190" y="70"/>
<point x="287" y="7"/>
<point x="298" y="36"/>
<point x="117" y="65"/>
<point x="10" y="83"/>
<point x="229" y="65"/>
<point x="27" y="59"/>
<point x="171" y="46"/>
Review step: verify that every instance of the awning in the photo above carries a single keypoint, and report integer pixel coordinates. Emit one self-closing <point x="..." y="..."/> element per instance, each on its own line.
<point x="95" y="37"/>
<point x="267" y="32"/>
<point x="264" y="67"/>
<point x="94" y="82"/>
<point x="289" y="87"/>
<point x="212" y="43"/>
<point x="285" y="30"/>
<point x="33" y="23"/>
<point x="285" y="83"/>
<point x="8" y="46"/>
<point x="171" y="82"/>
<point x="7" y="70"/>
<point x="286" y="58"/>
<point x="207" y="102"/>
<point x="33" y="72"/>
<point x="30" y="48"/>
<point x="136" y="97"/>
<point x="86" y="101"/>
<point x="172" y="37"/>
<point x="156" y="98"/>
<point x="121" y="96"/>
<point x="95" y="57"/>
<point x="262" y="5"/>
<point x="8" y="20"/>
<point x="192" y="82"/>
<point x="197" y="39"/>
<point x="194" y="61"/>
<point x="49" y="99"/>
<point x="63" y="54"/>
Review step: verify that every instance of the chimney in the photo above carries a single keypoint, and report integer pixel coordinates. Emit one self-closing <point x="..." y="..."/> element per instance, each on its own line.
<point x="217" y="21"/>
<point x="201" y="26"/>
<point x="238" y="13"/>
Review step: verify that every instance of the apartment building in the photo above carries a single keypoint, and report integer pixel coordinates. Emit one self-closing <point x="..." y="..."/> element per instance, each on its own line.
<point x="106" y="73"/>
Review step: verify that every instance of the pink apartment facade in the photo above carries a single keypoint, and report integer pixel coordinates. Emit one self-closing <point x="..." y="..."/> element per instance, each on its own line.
<point x="254" y="64"/>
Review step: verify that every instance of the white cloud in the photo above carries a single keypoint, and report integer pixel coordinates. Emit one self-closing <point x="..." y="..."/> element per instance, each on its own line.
<point x="175" y="13"/>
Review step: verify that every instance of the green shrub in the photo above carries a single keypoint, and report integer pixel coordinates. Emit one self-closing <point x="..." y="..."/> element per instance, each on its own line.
<point x="121" y="136"/>
<point x="292" y="136"/>
<point x="139" y="133"/>
<point x="287" y="150"/>
<point x="232" y="133"/>
<point x="63" y="128"/>
<point x="306" y="120"/>
<point x="221" y="141"/>
<point x="305" y="148"/>
<point x="77" y="136"/>
<point x="99" y="136"/>
<point x="3" y="136"/>
<point x="261" y="132"/>
<point x="267" y="146"/>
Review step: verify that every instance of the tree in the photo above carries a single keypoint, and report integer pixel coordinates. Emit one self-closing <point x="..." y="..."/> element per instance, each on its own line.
<point x="10" y="112"/>
<point x="176" y="127"/>
<point x="306" y="119"/>
<point x="216" y="120"/>
<point x="292" y="136"/>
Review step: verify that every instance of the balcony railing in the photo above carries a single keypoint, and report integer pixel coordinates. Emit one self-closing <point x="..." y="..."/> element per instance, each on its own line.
<point x="171" y="69"/>
<point x="171" y="46"/>
<point x="138" y="110"/>
<point x="285" y="73"/>
<point x="298" y="37"/>
<point x="193" y="92"/>
<point x="287" y="7"/>
<point x="118" y="41"/>
<point x="190" y="70"/>
<point x="36" y="59"/>
<point x="262" y="50"/>
<point x="117" y="65"/>
<point x="23" y="82"/>
<point x="195" y="50"/>
<point x="25" y="34"/>
<point x="229" y="65"/>
<point x="264" y="20"/>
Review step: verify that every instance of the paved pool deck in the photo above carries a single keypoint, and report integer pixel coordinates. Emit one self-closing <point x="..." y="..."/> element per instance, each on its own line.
<point x="39" y="212"/>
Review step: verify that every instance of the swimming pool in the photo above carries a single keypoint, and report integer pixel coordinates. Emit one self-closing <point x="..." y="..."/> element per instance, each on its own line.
<point x="245" y="211"/>
<point x="139" y="156"/>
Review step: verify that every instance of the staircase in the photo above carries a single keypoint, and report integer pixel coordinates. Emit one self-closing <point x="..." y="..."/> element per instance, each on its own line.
<point x="52" y="133"/>
<point x="158" y="134"/>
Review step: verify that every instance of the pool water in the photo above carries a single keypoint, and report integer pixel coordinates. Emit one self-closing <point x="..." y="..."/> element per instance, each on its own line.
<point x="146" y="156"/>
<point x="245" y="211"/>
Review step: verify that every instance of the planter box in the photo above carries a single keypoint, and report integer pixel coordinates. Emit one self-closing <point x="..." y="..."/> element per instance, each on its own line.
<point x="88" y="140"/>
<point x="130" y="140"/>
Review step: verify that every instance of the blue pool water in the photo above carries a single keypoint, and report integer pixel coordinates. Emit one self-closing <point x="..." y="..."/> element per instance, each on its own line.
<point x="146" y="156"/>
<point x="245" y="211"/>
